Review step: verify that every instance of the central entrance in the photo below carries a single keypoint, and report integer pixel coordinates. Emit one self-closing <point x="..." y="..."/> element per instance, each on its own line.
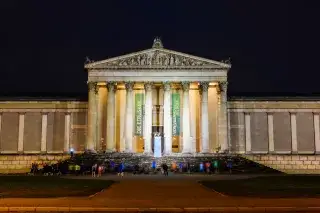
<point x="157" y="128"/>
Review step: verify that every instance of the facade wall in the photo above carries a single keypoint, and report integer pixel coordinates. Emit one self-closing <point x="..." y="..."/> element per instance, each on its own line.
<point x="39" y="132"/>
<point x="267" y="132"/>
<point x="274" y="127"/>
<point x="283" y="135"/>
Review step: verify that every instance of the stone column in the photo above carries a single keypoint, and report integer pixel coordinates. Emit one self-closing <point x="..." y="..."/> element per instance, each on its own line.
<point x="167" y="118"/>
<point x="111" y="142"/>
<point x="294" y="142"/>
<point x="148" y="119"/>
<point x="186" y="119"/>
<point x="92" y="116"/>
<point x="21" y="132"/>
<point x="129" y="117"/>
<point x="204" y="117"/>
<point x="44" y="126"/>
<point x="67" y="127"/>
<point x="247" y="121"/>
<point x="223" y="117"/>
<point x="316" y="132"/>
<point x="270" y="132"/>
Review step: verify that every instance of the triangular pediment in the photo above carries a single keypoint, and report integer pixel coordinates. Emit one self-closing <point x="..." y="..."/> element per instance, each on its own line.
<point x="157" y="58"/>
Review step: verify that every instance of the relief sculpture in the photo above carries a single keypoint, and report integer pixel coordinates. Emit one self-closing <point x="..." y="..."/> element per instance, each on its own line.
<point x="158" y="58"/>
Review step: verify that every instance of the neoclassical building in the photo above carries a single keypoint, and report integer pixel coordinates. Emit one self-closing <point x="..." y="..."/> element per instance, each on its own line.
<point x="160" y="92"/>
<point x="157" y="91"/>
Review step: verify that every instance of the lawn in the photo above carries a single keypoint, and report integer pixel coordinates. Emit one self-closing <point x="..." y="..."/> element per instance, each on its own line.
<point x="48" y="187"/>
<point x="286" y="186"/>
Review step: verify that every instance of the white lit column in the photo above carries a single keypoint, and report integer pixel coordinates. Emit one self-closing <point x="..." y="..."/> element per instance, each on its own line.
<point x="167" y="117"/>
<point x="21" y="132"/>
<point x="111" y="142"/>
<point x="316" y="132"/>
<point x="247" y="121"/>
<point x="204" y="117"/>
<point x="148" y="118"/>
<point x="129" y="117"/>
<point x="67" y="126"/>
<point x="223" y="117"/>
<point x="270" y="132"/>
<point x="186" y="119"/>
<point x="44" y="126"/>
<point x="294" y="142"/>
<point x="92" y="116"/>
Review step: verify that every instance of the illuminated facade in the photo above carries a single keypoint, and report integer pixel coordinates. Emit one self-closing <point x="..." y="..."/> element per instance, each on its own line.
<point x="157" y="91"/>
<point x="182" y="98"/>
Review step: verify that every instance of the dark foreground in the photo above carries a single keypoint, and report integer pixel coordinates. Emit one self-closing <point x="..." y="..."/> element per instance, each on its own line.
<point x="286" y="186"/>
<point x="154" y="193"/>
<point x="48" y="187"/>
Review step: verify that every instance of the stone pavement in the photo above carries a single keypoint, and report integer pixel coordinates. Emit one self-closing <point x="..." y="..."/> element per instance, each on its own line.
<point x="179" y="192"/>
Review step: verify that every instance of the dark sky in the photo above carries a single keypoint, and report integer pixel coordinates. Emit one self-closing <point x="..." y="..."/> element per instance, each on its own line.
<point x="272" y="44"/>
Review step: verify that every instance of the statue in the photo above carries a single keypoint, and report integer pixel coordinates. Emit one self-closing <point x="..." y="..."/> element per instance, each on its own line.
<point x="157" y="43"/>
<point x="87" y="60"/>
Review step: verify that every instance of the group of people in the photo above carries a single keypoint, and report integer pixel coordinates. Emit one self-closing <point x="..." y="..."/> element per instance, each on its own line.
<point x="98" y="169"/>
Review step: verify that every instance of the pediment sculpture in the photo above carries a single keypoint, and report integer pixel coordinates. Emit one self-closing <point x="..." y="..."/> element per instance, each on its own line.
<point x="157" y="58"/>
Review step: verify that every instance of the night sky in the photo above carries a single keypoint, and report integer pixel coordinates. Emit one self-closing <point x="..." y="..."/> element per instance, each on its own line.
<point x="273" y="45"/>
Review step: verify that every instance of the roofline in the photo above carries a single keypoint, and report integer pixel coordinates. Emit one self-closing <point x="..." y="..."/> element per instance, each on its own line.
<point x="44" y="97"/>
<point x="92" y="64"/>
<point x="278" y="98"/>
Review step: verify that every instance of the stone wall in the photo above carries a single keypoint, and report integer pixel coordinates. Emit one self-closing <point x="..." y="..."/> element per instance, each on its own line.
<point x="264" y="131"/>
<point x="291" y="164"/>
<point x="44" y="127"/>
<point x="274" y="127"/>
<point x="283" y="135"/>
<point x="22" y="163"/>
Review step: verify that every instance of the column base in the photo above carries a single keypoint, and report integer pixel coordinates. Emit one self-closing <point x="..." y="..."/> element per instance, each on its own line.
<point x="148" y="153"/>
<point x="111" y="150"/>
<point x="167" y="154"/>
<point x="187" y="152"/>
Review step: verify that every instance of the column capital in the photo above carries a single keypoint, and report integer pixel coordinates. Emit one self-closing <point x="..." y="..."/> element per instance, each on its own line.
<point x="93" y="86"/>
<point x="148" y="86"/>
<point x="167" y="86"/>
<point x="111" y="85"/>
<point x="185" y="85"/>
<point x="204" y="86"/>
<point x="223" y="85"/>
<point x="129" y="85"/>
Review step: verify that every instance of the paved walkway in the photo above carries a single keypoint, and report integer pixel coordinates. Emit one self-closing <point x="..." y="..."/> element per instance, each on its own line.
<point x="159" y="191"/>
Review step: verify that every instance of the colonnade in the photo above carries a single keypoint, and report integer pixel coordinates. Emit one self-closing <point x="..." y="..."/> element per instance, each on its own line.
<point x="187" y="147"/>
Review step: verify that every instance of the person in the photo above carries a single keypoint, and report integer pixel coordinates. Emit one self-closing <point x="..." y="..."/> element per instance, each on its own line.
<point x="208" y="167"/>
<point x="180" y="166"/>
<point x="201" y="167"/>
<point x="165" y="169"/>
<point x="94" y="170"/>
<point x="112" y="165"/>
<point x="120" y="170"/>
<point x="188" y="167"/>
<point x="136" y="169"/>
<point x="174" y="166"/>
<point x="154" y="165"/>
<point x="216" y="166"/>
<point x="229" y="165"/>
<point x="100" y="168"/>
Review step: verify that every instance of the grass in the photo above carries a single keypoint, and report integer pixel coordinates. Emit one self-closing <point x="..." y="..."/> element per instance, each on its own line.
<point x="48" y="187"/>
<point x="286" y="186"/>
